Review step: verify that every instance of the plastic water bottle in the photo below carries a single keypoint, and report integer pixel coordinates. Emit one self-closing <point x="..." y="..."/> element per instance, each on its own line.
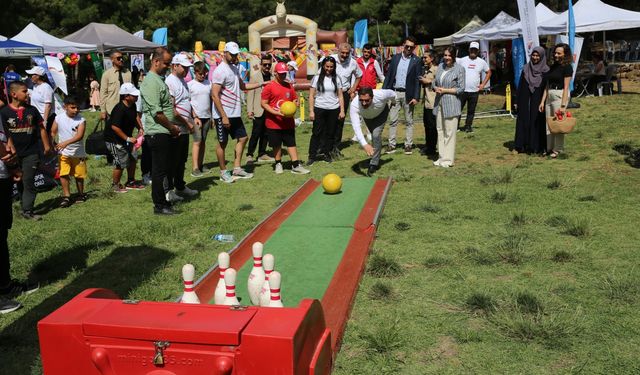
<point x="97" y="157"/>
<point x="224" y="238"/>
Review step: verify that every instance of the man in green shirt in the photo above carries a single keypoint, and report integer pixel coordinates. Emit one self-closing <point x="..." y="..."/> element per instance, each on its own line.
<point x="159" y="126"/>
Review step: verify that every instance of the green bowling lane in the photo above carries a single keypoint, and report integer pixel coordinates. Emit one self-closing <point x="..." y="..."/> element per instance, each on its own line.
<point x="309" y="245"/>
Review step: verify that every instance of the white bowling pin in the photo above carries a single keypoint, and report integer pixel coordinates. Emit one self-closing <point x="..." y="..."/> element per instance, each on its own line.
<point x="256" y="277"/>
<point x="268" y="261"/>
<point x="230" y="298"/>
<point x="189" y="295"/>
<point x="274" y="283"/>
<point x="221" y="291"/>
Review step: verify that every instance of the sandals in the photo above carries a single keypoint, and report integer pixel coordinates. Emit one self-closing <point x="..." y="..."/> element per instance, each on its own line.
<point x="66" y="202"/>
<point x="81" y="198"/>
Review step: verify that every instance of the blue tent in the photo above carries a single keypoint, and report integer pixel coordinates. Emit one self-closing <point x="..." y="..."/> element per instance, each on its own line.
<point x="11" y="48"/>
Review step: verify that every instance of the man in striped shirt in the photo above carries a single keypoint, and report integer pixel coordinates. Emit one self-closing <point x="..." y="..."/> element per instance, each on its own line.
<point x="227" y="111"/>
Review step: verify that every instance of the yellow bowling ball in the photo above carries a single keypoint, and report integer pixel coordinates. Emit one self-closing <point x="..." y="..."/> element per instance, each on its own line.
<point x="288" y="108"/>
<point x="332" y="183"/>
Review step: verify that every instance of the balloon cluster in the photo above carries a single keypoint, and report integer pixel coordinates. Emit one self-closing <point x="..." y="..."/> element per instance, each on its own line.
<point x="72" y="59"/>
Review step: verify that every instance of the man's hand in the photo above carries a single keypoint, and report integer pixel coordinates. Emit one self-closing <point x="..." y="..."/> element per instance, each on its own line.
<point x="541" y="108"/>
<point x="251" y="115"/>
<point x="368" y="149"/>
<point x="312" y="115"/>
<point x="174" y="130"/>
<point x="103" y="115"/>
<point x="191" y="127"/>
<point x="413" y="102"/>
<point x="47" y="149"/>
<point x="341" y="115"/>
<point x="60" y="146"/>
<point x="439" y="90"/>
<point x="197" y="121"/>
<point x="140" y="133"/>
<point x="225" y="122"/>
<point x="16" y="174"/>
<point x="481" y="87"/>
<point x="352" y="94"/>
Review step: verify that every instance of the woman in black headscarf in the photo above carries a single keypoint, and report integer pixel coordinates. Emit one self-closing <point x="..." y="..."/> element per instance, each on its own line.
<point x="531" y="125"/>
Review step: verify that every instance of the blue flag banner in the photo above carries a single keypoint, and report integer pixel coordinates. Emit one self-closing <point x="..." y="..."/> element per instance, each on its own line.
<point x="360" y="33"/>
<point x="518" y="56"/>
<point x="572" y="36"/>
<point x="160" y="36"/>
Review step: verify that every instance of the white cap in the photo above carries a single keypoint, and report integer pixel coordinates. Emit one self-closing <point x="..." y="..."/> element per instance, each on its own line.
<point x="37" y="70"/>
<point x="129" y="89"/>
<point x="293" y="64"/>
<point x="232" y="48"/>
<point x="181" y="59"/>
<point x="475" y="45"/>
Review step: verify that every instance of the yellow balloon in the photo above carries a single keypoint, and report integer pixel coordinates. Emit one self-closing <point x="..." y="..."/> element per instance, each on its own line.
<point x="332" y="183"/>
<point x="288" y="108"/>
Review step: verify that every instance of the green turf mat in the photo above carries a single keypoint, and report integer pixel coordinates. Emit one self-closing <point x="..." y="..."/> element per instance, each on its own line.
<point x="306" y="257"/>
<point x="333" y="210"/>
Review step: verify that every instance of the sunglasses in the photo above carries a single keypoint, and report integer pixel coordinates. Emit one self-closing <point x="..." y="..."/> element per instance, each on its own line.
<point x="119" y="58"/>
<point x="267" y="65"/>
<point x="409" y="47"/>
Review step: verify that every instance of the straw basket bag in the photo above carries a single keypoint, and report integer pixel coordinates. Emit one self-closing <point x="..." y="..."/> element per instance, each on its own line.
<point x="564" y="126"/>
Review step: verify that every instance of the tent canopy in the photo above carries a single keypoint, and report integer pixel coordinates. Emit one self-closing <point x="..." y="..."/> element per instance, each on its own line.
<point x="32" y="34"/>
<point x="543" y="14"/>
<point x="2" y="38"/>
<point x="11" y="48"/>
<point x="590" y="16"/>
<point x="108" y="37"/>
<point x="473" y="25"/>
<point x="491" y="28"/>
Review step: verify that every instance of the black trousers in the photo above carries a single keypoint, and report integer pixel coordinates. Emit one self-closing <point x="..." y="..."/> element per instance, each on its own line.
<point x="340" y="124"/>
<point x="6" y="219"/>
<point x="471" y="100"/>
<point x="430" y="131"/>
<point x="323" y="133"/>
<point x="160" y="145"/>
<point x="178" y="155"/>
<point x="258" y="137"/>
<point x="145" y="159"/>
<point x="29" y="165"/>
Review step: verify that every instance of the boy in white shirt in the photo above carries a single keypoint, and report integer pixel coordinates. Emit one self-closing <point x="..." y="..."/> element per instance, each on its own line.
<point x="200" y="92"/>
<point x="70" y="127"/>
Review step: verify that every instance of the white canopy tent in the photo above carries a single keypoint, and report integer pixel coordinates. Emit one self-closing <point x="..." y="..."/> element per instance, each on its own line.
<point x="493" y="27"/>
<point x="590" y="16"/>
<point x="2" y="38"/>
<point x="32" y="34"/>
<point x="473" y="25"/>
<point x="543" y="14"/>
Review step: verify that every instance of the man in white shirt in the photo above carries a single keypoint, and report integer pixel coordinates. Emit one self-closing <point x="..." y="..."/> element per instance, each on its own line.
<point x="179" y="146"/>
<point x="373" y="106"/>
<point x="200" y="92"/>
<point x="474" y="67"/>
<point x="226" y="89"/>
<point x="350" y="75"/>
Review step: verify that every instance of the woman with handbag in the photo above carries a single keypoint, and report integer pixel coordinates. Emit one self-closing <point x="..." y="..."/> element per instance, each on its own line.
<point x="557" y="94"/>
<point x="531" y="125"/>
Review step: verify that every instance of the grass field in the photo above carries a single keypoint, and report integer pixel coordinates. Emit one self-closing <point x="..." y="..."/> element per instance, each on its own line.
<point x="503" y="264"/>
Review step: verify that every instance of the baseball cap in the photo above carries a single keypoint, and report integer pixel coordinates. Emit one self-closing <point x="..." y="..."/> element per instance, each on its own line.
<point x="37" y="70"/>
<point x="232" y="48"/>
<point x="181" y="59"/>
<point x="475" y="45"/>
<point x="129" y="89"/>
<point x="281" y="67"/>
<point x="293" y="64"/>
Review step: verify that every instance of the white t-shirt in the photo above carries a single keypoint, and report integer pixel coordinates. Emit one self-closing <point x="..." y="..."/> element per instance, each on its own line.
<point x="228" y="77"/>
<point x="200" y="97"/>
<point x="4" y="173"/>
<point x="473" y="72"/>
<point x="180" y="91"/>
<point x="348" y="71"/>
<point x="67" y="129"/>
<point x="41" y="95"/>
<point x="327" y="99"/>
<point x="380" y="100"/>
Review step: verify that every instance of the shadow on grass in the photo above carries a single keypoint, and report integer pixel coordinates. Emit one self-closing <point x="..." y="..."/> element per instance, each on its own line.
<point x="362" y="166"/>
<point x="123" y="270"/>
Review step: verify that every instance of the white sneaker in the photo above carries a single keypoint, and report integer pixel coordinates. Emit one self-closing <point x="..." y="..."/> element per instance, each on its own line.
<point x="279" y="169"/>
<point x="265" y="159"/>
<point x="369" y="137"/>
<point x="300" y="170"/>
<point x="437" y="163"/>
<point x="205" y="170"/>
<point x="354" y="139"/>
<point x="188" y="192"/>
<point x="241" y="173"/>
<point x="172" y="197"/>
<point x="227" y="177"/>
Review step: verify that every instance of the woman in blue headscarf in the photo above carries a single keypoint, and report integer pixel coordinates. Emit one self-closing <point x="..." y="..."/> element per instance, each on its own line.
<point x="531" y="125"/>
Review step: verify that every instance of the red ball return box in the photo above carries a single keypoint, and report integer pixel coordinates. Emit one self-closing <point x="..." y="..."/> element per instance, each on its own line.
<point x="98" y="333"/>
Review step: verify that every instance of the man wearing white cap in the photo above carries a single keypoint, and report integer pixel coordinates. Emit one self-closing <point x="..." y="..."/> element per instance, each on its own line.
<point x="179" y="92"/>
<point x="42" y="93"/>
<point x="227" y="86"/>
<point x="474" y="67"/>
<point x="118" y="137"/>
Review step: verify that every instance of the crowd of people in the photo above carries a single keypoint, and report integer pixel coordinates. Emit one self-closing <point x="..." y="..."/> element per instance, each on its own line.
<point x="158" y="112"/>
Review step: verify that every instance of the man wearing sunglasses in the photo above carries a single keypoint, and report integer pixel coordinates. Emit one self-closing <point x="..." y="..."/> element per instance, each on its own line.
<point x="256" y="113"/>
<point x="110" y="84"/>
<point x="405" y="71"/>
